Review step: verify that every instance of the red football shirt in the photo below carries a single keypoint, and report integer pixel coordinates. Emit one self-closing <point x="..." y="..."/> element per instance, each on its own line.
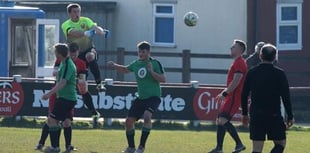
<point x="232" y="102"/>
<point x="79" y="64"/>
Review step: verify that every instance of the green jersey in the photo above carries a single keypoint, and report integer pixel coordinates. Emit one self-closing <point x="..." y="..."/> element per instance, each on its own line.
<point x="67" y="70"/>
<point x="83" y="24"/>
<point x="147" y="85"/>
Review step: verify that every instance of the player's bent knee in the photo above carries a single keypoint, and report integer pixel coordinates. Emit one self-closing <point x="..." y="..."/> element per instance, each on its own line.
<point x="90" y="56"/>
<point x="280" y="142"/>
<point x="221" y="121"/>
<point x="147" y="117"/>
<point x="51" y="121"/>
<point x="82" y="87"/>
<point x="67" y="123"/>
<point x="130" y="122"/>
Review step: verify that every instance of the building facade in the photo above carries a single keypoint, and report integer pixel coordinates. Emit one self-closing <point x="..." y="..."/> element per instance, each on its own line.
<point x="283" y="23"/>
<point x="161" y="23"/>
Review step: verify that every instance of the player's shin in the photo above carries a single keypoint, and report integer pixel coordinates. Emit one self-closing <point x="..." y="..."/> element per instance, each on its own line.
<point x="277" y="149"/>
<point x="144" y="136"/>
<point x="130" y="135"/>
<point x="54" y="132"/>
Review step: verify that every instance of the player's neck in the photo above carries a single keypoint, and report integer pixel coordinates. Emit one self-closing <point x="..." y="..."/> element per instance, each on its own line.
<point x="237" y="56"/>
<point x="63" y="58"/>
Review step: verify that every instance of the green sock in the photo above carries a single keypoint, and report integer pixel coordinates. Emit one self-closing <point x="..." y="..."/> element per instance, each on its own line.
<point x="130" y="134"/>
<point x="144" y="136"/>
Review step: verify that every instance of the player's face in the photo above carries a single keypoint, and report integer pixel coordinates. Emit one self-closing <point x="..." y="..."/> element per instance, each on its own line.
<point x="75" y="14"/>
<point x="235" y="50"/>
<point x="58" y="56"/>
<point x="144" y="54"/>
<point x="74" y="55"/>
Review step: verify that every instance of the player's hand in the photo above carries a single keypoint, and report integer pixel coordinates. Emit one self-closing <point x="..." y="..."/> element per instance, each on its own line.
<point x="45" y="96"/>
<point x="289" y="123"/>
<point x="110" y="64"/>
<point x="89" y="33"/>
<point x="55" y="72"/>
<point x="219" y="98"/>
<point x="245" y="120"/>
<point x="150" y="67"/>
<point x="106" y="33"/>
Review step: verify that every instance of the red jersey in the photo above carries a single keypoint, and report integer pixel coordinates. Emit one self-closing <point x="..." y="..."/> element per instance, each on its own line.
<point x="238" y="66"/>
<point x="79" y="64"/>
<point x="232" y="102"/>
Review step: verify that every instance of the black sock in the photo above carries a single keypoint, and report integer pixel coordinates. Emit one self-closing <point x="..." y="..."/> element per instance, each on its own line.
<point x="220" y="134"/>
<point x="54" y="135"/>
<point x="94" y="68"/>
<point x="130" y="134"/>
<point x="68" y="135"/>
<point x="144" y="136"/>
<point x="88" y="101"/>
<point x="256" y="152"/>
<point x="277" y="149"/>
<point x="44" y="134"/>
<point x="233" y="132"/>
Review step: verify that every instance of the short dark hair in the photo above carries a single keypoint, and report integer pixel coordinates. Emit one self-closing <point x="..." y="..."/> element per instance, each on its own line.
<point x="144" y="45"/>
<point x="72" y="5"/>
<point x="242" y="44"/>
<point x="62" y="49"/>
<point x="268" y="52"/>
<point x="73" y="47"/>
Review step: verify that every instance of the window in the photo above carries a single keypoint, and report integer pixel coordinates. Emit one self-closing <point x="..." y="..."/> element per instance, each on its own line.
<point x="163" y="27"/>
<point x="289" y="22"/>
<point x="22" y="43"/>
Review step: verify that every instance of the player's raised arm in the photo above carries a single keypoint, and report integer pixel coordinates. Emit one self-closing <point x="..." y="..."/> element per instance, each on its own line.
<point x="118" y="67"/>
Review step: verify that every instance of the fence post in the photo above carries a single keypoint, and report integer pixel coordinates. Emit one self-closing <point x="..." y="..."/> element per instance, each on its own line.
<point x="120" y="59"/>
<point x="186" y="66"/>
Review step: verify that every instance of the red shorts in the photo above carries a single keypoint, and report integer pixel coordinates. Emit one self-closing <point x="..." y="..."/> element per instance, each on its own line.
<point x="51" y="104"/>
<point x="229" y="107"/>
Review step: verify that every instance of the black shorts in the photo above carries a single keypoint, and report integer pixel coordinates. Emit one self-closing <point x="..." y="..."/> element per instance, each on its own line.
<point x="82" y="55"/>
<point x="62" y="109"/>
<point x="272" y="126"/>
<point x="139" y="106"/>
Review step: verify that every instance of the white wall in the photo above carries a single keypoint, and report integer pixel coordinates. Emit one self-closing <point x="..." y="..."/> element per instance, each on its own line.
<point x="220" y="21"/>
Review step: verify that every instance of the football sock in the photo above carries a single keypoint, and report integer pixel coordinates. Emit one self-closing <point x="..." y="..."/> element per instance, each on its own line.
<point x="130" y="134"/>
<point x="144" y="136"/>
<point x="44" y="134"/>
<point x="68" y="135"/>
<point x="233" y="132"/>
<point x="256" y="152"/>
<point x="220" y="134"/>
<point x="94" y="68"/>
<point x="88" y="101"/>
<point x="54" y="135"/>
<point x="277" y="149"/>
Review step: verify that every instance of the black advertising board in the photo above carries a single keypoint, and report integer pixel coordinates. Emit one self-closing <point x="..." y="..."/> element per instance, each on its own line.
<point x="177" y="103"/>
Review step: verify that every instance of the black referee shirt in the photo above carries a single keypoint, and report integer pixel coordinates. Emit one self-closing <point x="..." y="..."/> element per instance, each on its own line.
<point x="266" y="84"/>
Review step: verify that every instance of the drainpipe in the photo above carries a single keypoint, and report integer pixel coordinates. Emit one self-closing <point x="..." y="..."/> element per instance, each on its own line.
<point x="256" y="22"/>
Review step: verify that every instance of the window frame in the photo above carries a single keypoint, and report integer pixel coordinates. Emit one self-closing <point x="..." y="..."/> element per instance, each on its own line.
<point x="163" y="15"/>
<point x="297" y="22"/>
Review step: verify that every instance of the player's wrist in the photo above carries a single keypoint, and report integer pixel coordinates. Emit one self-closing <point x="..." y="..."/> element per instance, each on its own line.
<point x="224" y="93"/>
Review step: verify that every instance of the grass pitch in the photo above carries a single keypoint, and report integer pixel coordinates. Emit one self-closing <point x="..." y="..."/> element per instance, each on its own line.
<point x="23" y="140"/>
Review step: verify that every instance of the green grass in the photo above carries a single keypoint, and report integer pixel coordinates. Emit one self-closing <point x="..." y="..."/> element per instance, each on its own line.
<point x="23" y="140"/>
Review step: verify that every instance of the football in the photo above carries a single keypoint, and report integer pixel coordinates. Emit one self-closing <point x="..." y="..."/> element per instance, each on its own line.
<point x="191" y="19"/>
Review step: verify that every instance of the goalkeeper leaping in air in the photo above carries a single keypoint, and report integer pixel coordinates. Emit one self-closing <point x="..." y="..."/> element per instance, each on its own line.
<point x="80" y="30"/>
